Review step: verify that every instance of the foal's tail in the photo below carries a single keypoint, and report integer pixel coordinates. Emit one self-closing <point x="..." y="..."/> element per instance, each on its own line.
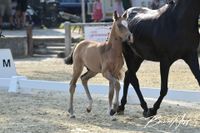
<point x="69" y="59"/>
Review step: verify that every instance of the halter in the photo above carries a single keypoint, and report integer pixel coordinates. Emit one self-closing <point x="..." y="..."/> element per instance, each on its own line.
<point x="108" y="35"/>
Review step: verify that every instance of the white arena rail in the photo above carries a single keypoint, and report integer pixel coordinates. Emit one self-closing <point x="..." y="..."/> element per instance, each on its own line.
<point x="20" y="84"/>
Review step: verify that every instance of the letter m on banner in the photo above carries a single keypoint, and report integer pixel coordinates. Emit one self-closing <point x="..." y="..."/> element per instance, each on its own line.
<point x="7" y="66"/>
<point x="6" y="63"/>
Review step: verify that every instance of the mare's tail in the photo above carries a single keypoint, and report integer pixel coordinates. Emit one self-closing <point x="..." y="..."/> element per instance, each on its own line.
<point x="69" y="59"/>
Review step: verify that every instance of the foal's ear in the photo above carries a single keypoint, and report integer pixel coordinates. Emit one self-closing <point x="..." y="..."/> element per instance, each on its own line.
<point x="124" y="15"/>
<point x="115" y="16"/>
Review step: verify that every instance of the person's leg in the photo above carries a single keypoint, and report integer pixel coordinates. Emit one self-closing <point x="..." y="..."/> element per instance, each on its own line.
<point x="18" y="16"/>
<point x="23" y="12"/>
<point x="11" y="22"/>
<point x="9" y="13"/>
<point x="23" y="19"/>
<point x="2" y="7"/>
<point x="1" y="23"/>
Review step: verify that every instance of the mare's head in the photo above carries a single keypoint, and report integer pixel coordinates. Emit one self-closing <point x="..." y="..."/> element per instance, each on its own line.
<point x="120" y="26"/>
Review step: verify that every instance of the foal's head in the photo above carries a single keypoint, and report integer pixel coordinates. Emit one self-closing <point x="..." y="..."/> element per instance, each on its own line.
<point x="120" y="26"/>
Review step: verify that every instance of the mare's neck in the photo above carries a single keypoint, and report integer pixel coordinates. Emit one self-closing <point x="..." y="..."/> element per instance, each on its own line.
<point x="188" y="11"/>
<point x="115" y="41"/>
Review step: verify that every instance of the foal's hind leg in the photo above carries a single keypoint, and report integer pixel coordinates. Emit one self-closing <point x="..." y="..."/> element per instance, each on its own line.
<point x="77" y="69"/>
<point x="85" y="77"/>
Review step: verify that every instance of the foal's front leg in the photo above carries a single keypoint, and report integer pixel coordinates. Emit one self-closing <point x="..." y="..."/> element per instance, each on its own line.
<point x="116" y="102"/>
<point x="110" y="97"/>
<point x="113" y="84"/>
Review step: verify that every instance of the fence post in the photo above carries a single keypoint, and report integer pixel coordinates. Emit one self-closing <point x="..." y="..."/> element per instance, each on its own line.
<point x="29" y="40"/>
<point x="67" y="38"/>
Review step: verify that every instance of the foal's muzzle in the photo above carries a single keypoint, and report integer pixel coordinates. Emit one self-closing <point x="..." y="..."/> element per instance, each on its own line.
<point x="130" y="38"/>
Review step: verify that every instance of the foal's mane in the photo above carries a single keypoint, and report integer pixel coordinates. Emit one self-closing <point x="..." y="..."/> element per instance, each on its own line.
<point x="105" y="47"/>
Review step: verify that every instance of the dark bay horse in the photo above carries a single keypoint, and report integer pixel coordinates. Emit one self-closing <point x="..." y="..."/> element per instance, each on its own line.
<point x="105" y="58"/>
<point x="164" y="35"/>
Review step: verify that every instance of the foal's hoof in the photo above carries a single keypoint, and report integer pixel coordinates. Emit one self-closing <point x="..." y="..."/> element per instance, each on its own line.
<point x="88" y="110"/>
<point x="120" y="110"/>
<point x="70" y="111"/>
<point x="112" y="112"/>
<point x="72" y="117"/>
<point x="149" y="113"/>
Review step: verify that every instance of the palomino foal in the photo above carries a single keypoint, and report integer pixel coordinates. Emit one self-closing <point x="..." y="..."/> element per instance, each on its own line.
<point x="105" y="58"/>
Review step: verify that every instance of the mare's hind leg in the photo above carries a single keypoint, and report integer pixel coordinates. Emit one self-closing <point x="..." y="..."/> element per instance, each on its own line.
<point x="85" y="77"/>
<point x="77" y="69"/>
<point x="192" y="61"/>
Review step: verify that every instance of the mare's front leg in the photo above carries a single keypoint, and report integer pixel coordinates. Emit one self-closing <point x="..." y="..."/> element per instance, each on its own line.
<point x="131" y="78"/>
<point x="125" y="92"/>
<point x="133" y="63"/>
<point x="192" y="60"/>
<point x="135" y="83"/>
<point x="164" y="72"/>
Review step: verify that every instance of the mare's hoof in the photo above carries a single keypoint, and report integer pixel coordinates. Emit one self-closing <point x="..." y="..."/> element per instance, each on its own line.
<point x="120" y="110"/>
<point x="149" y="113"/>
<point x="88" y="110"/>
<point x="120" y="113"/>
<point x="112" y="112"/>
